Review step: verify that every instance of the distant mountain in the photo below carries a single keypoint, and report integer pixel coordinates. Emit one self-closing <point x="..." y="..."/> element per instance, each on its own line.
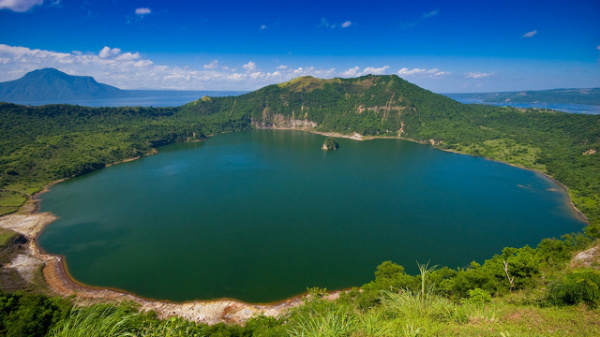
<point x="53" y="84"/>
<point x="589" y="96"/>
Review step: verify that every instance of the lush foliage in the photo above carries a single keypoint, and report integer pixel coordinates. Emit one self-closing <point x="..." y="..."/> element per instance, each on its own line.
<point x="330" y="144"/>
<point x="29" y="315"/>
<point x="576" y="287"/>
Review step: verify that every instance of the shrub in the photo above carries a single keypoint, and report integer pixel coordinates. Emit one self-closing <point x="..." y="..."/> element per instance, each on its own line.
<point x="479" y="297"/>
<point x="579" y="286"/>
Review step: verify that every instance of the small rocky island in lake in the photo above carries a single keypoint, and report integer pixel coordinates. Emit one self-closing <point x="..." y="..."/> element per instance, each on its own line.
<point x="330" y="144"/>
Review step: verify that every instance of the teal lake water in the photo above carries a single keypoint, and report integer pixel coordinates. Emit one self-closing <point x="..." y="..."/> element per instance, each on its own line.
<point x="264" y="214"/>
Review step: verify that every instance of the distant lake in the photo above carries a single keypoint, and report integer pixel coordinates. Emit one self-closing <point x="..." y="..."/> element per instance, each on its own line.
<point x="570" y="108"/>
<point x="262" y="215"/>
<point x="145" y="98"/>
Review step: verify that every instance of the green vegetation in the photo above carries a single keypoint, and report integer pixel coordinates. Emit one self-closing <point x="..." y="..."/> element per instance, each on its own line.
<point x="522" y="291"/>
<point x="330" y="144"/>
<point x="10" y="201"/>
<point x="576" y="287"/>
<point x="6" y="237"/>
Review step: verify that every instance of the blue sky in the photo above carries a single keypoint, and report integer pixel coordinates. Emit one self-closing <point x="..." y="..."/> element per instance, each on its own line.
<point x="444" y="46"/>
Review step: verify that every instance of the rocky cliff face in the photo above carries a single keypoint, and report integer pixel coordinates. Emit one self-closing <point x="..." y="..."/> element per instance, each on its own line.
<point x="279" y="121"/>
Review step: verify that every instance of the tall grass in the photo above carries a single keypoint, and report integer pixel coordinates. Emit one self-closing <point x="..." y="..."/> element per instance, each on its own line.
<point x="97" y="320"/>
<point x="331" y="322"/>
<point x="421" y="303"/>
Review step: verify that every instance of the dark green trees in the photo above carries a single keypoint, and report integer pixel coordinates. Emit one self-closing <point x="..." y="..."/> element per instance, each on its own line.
<point x="330" y="144"/>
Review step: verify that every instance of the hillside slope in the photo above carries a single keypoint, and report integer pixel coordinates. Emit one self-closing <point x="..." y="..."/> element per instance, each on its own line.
<point x="42" y="144"/>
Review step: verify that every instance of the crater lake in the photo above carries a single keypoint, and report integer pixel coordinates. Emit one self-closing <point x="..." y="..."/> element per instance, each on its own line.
<point x="261" y="215"/>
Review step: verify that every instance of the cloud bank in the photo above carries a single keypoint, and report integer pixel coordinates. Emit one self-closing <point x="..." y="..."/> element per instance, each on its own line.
<point x="432" y="73"/>
<point x="530" y="34"/>
<point x="131" y="70"/>
<point x="356" y="72"/>
<point x="19" y="5"/>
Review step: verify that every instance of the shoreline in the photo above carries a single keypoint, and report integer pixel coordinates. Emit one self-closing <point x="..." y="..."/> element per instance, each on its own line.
<point x="31" y="223"/>
<point x="57" y="279"/>
<point x="433" y="144"/>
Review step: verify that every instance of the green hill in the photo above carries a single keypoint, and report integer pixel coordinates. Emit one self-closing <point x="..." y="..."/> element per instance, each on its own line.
<point x="42" y="144"/>
<point x="52" y="84"/>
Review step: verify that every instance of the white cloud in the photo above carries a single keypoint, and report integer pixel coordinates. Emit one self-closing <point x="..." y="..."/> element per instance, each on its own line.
<point x="352" y="72"/>
<point x="375" y="71"/>
<point x="212" y="65"/>
<point x="346" y="24"/>
<point x="249" y="67"/>
<point x="356" y="72"/>
<point x="143" y="11"/>
<point x="598" y="47"/>
<point x="530" y="34"/>
<point x="478" y="75"/>
<point x="434" y="72"/>
<point x="263" y="27"/>
<point x="127" y="56"/>
<point x="130" y="70"/>
<point x="19" y="5"/>
<point x="106" y="52"/>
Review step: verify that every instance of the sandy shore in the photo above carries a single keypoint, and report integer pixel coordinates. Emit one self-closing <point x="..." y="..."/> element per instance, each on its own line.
<point x="31" y="223"/>
<point x="61" y="283"/>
